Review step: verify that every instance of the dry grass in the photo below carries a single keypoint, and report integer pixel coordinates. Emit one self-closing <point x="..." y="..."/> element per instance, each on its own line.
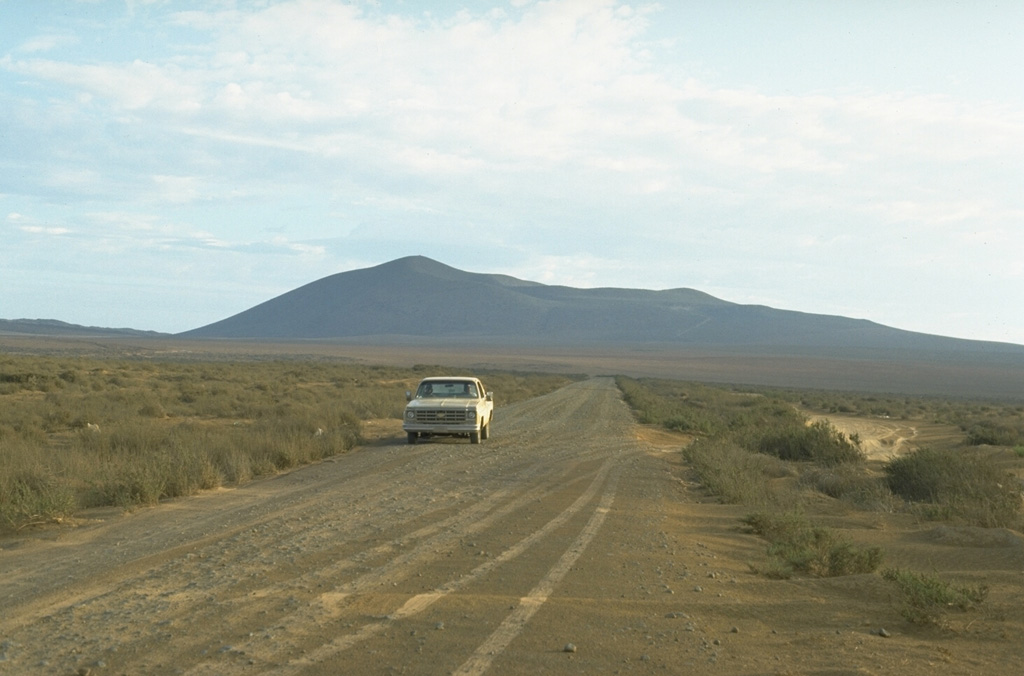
<point x="759" y="452"/>
<point x="81" y="432"/>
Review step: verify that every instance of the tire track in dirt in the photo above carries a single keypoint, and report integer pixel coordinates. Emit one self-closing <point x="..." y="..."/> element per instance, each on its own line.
<point x="496" y="643"/>
<point x="421" y="602"/>
<point x="199" y="585"/>
<point x="179" y="599"/>
<point x="435" y="537"/>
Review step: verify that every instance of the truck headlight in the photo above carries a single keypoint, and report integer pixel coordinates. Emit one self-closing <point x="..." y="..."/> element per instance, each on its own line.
<point x="410" y="415"/>
<point x="471" y="415"/>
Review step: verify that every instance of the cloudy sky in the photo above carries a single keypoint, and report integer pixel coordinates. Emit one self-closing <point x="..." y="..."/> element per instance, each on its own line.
<point x="165" y="164"/>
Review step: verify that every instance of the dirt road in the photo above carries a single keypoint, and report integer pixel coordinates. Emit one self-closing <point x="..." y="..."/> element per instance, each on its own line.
<point x="564" y="544"/>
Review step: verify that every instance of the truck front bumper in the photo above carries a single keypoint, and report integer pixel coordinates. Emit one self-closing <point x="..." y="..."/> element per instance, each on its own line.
<point x="444" y="429"/>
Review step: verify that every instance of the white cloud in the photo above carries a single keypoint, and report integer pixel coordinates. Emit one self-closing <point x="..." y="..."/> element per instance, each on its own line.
<point x="560" y="133"/>
<point x="180" y="189"/>
<point x="42" y="230"/>
<point x="561" y="85"/>
<point x="133" y="86"/>
<point x="580" y="271"/>
<point x="44" y="43"/>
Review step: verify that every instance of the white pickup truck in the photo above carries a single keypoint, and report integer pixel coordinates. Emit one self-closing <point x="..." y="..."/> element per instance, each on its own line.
<point x="454" y="406"/>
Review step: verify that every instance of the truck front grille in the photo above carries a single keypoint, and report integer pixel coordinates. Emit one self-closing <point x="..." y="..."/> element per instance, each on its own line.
<point x="441" y="416"/>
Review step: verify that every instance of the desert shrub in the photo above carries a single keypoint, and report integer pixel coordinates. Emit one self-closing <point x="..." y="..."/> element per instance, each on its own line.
<point x="851" y="483"/>
<point x="957" y="483"/>
<point x="818" y="442"/>
<point x="232" y="462"/>
<point x="703" y="410"/>
<point x="188" y="468"/>
<point x="33" y="496"/>
<point x="925" y="599"/>
<point x="994" y="433"/>
<point x="129" y="485"/>
<point x="795" y="546"/>
<point x="736" y="475"/>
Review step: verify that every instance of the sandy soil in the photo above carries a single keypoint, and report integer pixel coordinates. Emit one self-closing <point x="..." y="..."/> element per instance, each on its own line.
<point x="571" y="542"/>
<point x="885" y="438"/>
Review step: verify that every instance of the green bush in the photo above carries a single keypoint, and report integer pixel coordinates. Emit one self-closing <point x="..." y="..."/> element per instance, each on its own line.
<point x="818" y="442"/>
<point x="31" y="497"/>
<point x="795" y="546"/>
<point x="702" y="410"/>
<point x="852" y="483"/>
<point x="737" y="475"/>
<point x="994" y="433"/>
<point x="925" y="598"/>
<point x="957" y="483"/>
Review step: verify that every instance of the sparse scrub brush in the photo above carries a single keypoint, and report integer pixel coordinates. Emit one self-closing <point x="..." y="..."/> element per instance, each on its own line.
<point x="851" y="483"/>
<point x="796" y="546"/>
<point x="994" y="433"/>
<point x="737" y="475"/>
<point x="925" y="599"/>
<point x="818" y="442"/>
<point x="130" y="433"/>
<point x="29" y="497"/>
<point x="957" y="483"/>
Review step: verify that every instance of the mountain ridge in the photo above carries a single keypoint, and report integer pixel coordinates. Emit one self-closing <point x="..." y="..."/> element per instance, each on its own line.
<point x="416" y="296"/>
<point x="57" y="328"/>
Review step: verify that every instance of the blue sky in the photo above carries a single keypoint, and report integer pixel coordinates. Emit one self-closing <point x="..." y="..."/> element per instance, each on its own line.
<point x="164" y="165"/>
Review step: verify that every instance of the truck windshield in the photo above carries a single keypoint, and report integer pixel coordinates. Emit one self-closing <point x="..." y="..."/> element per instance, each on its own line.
<point x="437" y="389"/>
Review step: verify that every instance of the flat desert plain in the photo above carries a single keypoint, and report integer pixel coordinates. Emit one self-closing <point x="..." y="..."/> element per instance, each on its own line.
<point x="574" y="541"/>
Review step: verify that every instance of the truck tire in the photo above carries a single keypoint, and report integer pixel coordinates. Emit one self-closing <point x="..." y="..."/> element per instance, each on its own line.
<point x="485" y="431"/>
<point x="474" y="437"/>
<point x="412" y="437"/>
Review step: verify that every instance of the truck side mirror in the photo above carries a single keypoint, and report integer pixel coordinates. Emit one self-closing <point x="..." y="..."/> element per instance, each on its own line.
<point x="408" y="395"/>
<point x="490" y="396"/>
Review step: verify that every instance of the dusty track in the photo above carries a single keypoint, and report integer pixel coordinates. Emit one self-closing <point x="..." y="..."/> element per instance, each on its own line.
<point x="308" y="572"/>
<point x="446" y="557"/>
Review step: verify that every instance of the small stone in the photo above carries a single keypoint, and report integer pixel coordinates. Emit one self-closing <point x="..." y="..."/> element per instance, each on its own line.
<point x="883" y="633"/>
<point x="734" y="630"/>
<point x="698" y="588"/>
<point x="439" y="626"/>
<point x="569" y="648"/>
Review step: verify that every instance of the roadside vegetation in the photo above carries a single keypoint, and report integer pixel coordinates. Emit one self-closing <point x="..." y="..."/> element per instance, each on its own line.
<point x="750" y="448"/>
<point x="757" y="449"/>
<point x="796" y="546"/>
<point x="88" y="432"/>
<point x="925" y="598"/>
<point x="992" y="423"/>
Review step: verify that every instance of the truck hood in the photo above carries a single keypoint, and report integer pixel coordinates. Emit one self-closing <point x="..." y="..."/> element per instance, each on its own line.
<point x="443" y="403"/>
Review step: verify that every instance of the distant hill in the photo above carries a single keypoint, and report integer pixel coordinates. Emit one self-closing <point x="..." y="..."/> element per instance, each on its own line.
<point x="419" y="298"/>
<point x="55" y="328"/>
<point x="417" y="310"/>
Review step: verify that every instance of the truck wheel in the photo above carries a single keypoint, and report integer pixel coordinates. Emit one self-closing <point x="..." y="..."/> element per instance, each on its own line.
<point x="474" y="437"/>
<point x="412" y="437"/>
<point x="485" y="431"/>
